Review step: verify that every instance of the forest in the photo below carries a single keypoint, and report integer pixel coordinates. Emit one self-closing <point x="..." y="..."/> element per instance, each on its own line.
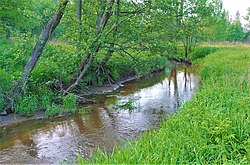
<point x="53" y="50"/>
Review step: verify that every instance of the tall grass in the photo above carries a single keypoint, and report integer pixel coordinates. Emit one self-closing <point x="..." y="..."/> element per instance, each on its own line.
<point x="212" y="128"/>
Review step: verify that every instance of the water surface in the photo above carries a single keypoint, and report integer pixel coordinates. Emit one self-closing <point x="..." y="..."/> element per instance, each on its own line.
<point x="121" y="115"/>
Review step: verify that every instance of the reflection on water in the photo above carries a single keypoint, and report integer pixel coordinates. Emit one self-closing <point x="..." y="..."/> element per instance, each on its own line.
<point x="55" y="140"/>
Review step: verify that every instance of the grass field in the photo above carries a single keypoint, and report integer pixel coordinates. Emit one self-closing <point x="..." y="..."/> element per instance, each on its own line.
<point x="212" y="128"/>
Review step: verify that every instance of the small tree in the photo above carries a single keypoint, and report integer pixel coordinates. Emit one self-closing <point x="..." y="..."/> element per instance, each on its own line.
<point x="235" y="32"/>
<point x="247" y="18"/>
<point x="37" y="51"/>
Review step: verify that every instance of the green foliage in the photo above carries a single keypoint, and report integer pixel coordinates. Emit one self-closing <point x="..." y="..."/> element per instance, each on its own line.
<point x="2" y="101"/>
<point x="27" y="105"/>
<point x="235" y="32"/>
<point x="70" y="102"/>
<point x="53" y="110"/>
<point x="5" y="81"/>
<point x="46" y="97"/>
<point x="247" y="18"/>
<point x="24" y="16"/>
<point x="141" y="64"/>
<point x="51" y="68"/>
<point x="46" y="102"/>
<point x="202" y="52"/>
<point x="212" y="128"/>
<point x="128" y="105"/>
<point x="148" y="63"/>
<point x="13" y="57"/>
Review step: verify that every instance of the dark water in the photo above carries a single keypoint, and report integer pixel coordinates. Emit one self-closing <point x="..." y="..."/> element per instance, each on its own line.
<point x="124" y="114"/>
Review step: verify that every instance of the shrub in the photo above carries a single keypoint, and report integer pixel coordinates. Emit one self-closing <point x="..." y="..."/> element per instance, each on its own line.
<point x="5" y="81"/>
<point x="53" y="110"/>
<point x="52" y="66"/>
<point x="1" y="102"/>
<point x="201" y="52"/>
<point x="46" y="97"/>
<point x="70" y="103"/>
<point x="45" y="102"/>
<point x="27" y="105"/>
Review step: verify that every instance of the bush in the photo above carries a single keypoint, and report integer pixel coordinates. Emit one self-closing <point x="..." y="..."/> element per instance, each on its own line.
<point x="141" y="64"/>
<point x="5" y="81"/>
<point x="52" y="66"/>
<point x="70" y="103"/>
<point x="46" y="102"/>
<point x="201" y="52"/>
<point x="27" y="105"/>
<point x="1" y="103"/>
<point x="53" y="110"/>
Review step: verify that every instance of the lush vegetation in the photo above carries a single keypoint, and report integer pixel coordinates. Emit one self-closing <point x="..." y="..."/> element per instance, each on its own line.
<point x="51" y="50"/>
<point x="106" y="41"/>
<point x="212" y="128"/>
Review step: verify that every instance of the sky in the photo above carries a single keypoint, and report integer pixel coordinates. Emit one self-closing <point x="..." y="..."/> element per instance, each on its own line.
<point x="234" y="5"/>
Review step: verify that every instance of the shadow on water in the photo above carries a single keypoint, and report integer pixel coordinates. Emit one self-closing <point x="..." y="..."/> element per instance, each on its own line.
<point x="124" y="114"/>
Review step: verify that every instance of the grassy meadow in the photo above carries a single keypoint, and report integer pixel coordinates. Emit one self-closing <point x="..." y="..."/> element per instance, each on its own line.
<point x="212" y="128"/>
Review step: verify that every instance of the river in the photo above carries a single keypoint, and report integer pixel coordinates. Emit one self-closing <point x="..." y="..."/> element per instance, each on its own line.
<point x="115" y="117"/>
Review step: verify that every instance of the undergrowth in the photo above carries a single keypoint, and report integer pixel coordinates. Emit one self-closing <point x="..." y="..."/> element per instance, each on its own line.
<point x="212" y="128"/>
<point x="55" y="68"/>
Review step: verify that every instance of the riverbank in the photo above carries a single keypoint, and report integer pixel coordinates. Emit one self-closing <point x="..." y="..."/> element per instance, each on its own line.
<point x="212" y="128"/>
<point x="114" y="118"/>
<point x="51" y="77"/>
<point x="11" y="119"/>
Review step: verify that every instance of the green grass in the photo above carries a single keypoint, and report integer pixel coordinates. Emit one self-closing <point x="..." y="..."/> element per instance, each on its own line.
<point x="212" y="128"/>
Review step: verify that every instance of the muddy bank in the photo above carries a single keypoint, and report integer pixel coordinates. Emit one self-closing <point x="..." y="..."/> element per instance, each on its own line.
<point x="106" y="88"/>
<point x="180" y="61"/>
<point x="12" y="119"/>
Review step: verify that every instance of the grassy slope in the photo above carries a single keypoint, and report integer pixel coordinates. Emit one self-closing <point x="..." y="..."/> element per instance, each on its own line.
<point x="211" y="128"/>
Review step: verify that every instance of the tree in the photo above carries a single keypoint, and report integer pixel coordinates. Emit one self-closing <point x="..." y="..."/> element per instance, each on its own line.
<point x="237" y="16"/>
<point x="183" y="22"/>
<point x="247" y="18"/>
<point x="107" y="21"/>
<point x="37" y="51"/>
<point x="235" y="32"/>
<point x="215" y="31"/>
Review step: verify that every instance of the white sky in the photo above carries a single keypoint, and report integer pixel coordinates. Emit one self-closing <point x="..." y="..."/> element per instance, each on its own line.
<point x="234" y="5"/>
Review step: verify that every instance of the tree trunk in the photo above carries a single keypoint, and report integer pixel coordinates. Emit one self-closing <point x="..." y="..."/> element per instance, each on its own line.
<point x="37" y="51"/>
<point x="105" y="17"/>
<point x="112" y="45"/>
<point x="186" y="47"/>
<point x="79" y="17"/>
<point x="94" y="48"/>
<point x="79" y="11"/>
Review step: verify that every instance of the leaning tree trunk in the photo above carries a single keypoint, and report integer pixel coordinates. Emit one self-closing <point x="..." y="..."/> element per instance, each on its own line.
<point x="112" y="45"/>
<point x="79" y="17"/>
<point x="94" y="48"/>
<point x="37" y="51"/>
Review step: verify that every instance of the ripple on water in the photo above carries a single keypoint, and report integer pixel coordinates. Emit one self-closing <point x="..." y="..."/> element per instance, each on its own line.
<point x="51" y="141"/>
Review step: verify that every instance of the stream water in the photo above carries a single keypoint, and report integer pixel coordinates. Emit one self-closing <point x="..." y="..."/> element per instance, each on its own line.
<point x="116" y="117"/>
